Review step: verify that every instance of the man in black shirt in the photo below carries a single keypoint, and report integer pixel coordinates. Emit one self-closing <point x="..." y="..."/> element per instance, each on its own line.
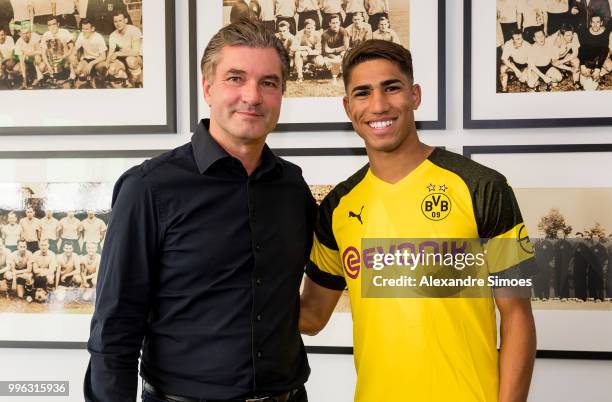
<point x="205" y="250"/>
<point x="594" y="49"/>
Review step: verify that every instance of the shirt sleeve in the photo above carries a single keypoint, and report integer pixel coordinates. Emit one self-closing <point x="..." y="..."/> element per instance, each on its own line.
<point x="500" y="224"/>
<point x="129" y="259"/>
<point x="325" y="265"/>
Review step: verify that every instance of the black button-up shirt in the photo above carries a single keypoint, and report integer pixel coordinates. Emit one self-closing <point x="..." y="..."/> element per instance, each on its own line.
<point x="204" y="263"/>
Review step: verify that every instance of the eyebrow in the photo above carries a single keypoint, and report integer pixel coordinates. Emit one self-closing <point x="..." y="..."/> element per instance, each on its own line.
<point x="385" y="83"/>
<point x="235" y="71"/>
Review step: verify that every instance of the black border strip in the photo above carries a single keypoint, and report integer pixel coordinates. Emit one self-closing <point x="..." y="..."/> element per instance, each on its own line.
<point x="468" y="151"/>
<point x="439" y="124"/>
<point x="171" y="115"/>
<point x="469" y="123"/>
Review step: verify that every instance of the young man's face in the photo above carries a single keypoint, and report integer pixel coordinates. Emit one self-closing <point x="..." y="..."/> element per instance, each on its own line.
<point x="49" y="213"/>
<point x="284" y="30"/>
<point x="358" y="20"/>
<point x="245" y="97"/>
<point x="119" y="22"/>
<point x="44" y="246"/>
<point x="596" y="24"/>
<point x="87" y="30"/>
<point x="22" y="247"/>
<point x="539" y="38"/>
<point x="568" y="36"/>
<point x="91" y="249"/>
<point x="2" y="36"/>
<point x="334" y="25"/>
<point x="26" y="34"/>
<point x="380" y="102"/>
<point x="309" y="28"/>
<point x="91" y="214"/>
<point x="53" y="26"/>
<point x="517" y="40"/>
<point x="30" y="213"/>
<point x="12" y="219"/>
<point x="383" y="25"/>
<point x="68" y="249"/>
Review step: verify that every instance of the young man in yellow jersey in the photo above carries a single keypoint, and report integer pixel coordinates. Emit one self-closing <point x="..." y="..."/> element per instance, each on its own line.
<point x="417" y="349"/>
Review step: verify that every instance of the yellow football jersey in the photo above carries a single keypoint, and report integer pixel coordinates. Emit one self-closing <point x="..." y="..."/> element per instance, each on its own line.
<point x="418" y="349"/>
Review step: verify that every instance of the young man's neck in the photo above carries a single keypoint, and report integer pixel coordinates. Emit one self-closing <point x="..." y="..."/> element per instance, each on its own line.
<point x="392" y="167"/>
<point x="247" y="152"/>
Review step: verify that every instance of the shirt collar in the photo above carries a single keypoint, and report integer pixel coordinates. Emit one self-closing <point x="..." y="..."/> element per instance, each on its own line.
<point x="207" y="151"/>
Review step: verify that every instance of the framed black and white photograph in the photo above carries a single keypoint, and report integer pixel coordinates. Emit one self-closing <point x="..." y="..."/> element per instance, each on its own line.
<point x="316" y="35"/>
<point x="536" y="63"/>
<point x="116" y="56"/>
<point x="63" y="199"/>
<point x="565" y="207"/>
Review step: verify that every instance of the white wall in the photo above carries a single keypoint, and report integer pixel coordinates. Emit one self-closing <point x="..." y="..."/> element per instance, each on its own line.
<point x="333" y="376"/>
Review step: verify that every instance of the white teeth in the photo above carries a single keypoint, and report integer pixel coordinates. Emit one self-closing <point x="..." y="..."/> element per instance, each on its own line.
<point x="381" y="124"/>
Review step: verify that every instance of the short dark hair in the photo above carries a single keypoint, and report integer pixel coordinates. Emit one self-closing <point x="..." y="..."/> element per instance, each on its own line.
<point x="374" y="49"/>
<point x="566" y="28"/>
<point x="516" y="31"/>
<point x="4" y="29"/>
<point x="594" y="16"/>
<point x="243" y="32"/>
<point x="53" y="18"/>
<point x="86" y="21"/>
<point x="119" y="12"/>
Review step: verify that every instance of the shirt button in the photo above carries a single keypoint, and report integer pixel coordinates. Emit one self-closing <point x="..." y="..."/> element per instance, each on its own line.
<point x="257" y="247"/>
<point x="259" y="317"/>
<point x="259" y="354"/>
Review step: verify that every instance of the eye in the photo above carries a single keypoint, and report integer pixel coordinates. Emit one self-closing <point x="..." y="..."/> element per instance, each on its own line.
<point x="392" y="88"/>
<point x="234" y="79"/>
<point x="270" y="84"/>
<point x="361" y="94"/>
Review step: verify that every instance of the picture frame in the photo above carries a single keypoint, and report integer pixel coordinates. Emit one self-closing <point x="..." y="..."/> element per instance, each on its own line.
<point x="564" y="182"/>
<point x="430" y="71"/>
<point x="146" y="106"/>
<point x="55" y="175"/>
<point x="485" y="107"/>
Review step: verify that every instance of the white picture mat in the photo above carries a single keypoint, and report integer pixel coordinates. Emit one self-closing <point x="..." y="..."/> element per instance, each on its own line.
<point x="487" y="104"/>
<point x="105" y="107"/>
<point x="558" y="169"/>
<point x="328" y="170"/>
<point x="585" y="330"/>
<point x="423" y="45"/>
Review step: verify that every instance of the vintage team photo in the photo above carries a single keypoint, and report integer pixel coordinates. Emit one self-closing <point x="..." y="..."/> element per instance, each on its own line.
<point x="51" y="237"/>
<point x="554" y="45"/>
<point x="572" y="234"/>
<point x="71" y="44"/>
<point x="317" y="34"/>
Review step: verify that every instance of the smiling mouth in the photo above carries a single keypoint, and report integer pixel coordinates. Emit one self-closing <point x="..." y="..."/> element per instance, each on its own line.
<point x="379" y="125"/>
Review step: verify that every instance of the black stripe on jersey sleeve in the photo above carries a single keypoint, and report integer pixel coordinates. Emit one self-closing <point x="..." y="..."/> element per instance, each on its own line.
<point x="495" y="206"/>
<point x="323" y="226"/>
<point x="325" y="279"/>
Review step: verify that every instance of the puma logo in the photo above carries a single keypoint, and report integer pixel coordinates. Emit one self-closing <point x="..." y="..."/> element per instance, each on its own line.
<point x="356" y="216"/>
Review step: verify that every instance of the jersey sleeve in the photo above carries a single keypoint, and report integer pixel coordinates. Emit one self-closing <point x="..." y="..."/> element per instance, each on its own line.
<point x="325" y="265"/>
<point x="500" y="224"/>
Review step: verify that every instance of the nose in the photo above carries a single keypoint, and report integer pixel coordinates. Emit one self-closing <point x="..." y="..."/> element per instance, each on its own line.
<point x="251" y="93"/>
<point x="378" y="102"/>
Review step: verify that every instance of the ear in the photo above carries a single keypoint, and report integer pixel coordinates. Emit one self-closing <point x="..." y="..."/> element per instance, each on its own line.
<point x="416" y="96"/>
<point x="347" y="107"/>
<point x="206" y="84"/>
